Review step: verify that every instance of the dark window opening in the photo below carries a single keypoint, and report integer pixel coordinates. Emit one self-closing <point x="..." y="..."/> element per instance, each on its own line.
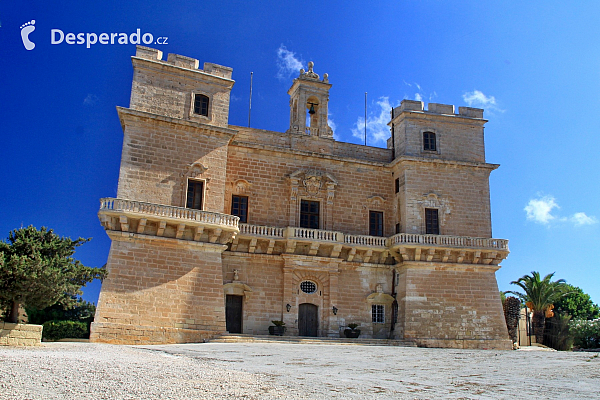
<point x="432" y="226"/>
<point x="429" y="141"/>
<point x="309" y="214"/>
<point x="378" y="313"/>
<point x="397" y="228"/>
<point x="239" y="207"/>
<point x="375" y="223"/>
<point x="308" y="287"/>
<point x="201" y="105"/>
<point x="195" y="194"/>
<point x="397" y="185"/>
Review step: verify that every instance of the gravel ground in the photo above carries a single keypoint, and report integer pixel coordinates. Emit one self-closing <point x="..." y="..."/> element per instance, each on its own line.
<point x="291" y="371"/>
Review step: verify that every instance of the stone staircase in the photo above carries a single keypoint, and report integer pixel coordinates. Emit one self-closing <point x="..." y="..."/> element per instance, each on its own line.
<point x="244" y="338"/>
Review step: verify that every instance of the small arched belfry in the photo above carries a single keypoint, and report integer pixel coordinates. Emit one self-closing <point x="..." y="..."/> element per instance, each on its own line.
<point x="309" y="96"/>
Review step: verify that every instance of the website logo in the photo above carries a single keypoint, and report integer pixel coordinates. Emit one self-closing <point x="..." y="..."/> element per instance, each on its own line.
<point x="26" y="29"/>
<point x="89" y="39"/>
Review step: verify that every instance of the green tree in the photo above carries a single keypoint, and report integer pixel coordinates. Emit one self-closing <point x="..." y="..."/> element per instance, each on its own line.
<point x="37" y="270"/>
<point x="577" y="304"/>
<point x="539" y="295"/>
<point x="82" y="311"/>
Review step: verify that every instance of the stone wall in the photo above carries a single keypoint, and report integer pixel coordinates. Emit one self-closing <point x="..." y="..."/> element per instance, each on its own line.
<point x="460" y="192"/>
<point x="445" y="306"/>
<point x="20" y="334"/>
<point x="159" y="157"/>
<point x="158" y="290"/>
<point x="360" y="187"/>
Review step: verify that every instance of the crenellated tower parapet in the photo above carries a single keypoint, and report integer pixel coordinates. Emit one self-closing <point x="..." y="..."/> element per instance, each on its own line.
<point x="437" y="132"/>
<point x="177" y="88"/>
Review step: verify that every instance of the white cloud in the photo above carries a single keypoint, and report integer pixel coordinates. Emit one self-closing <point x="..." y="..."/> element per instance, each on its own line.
<point x="333" y="127"/>
<point x="581" y="218"/>
<point x="90" y="99"/>
<point x="288" y="63"/>
<point x="377" y="129"/>
<point x="539" y="210"/>
<point x="420" y="95"/>
<point x="476" y="98"/>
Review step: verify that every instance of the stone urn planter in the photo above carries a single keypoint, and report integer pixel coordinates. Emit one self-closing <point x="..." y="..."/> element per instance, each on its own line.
<point x="351" y="332"/>
<point x="277" y="329"/>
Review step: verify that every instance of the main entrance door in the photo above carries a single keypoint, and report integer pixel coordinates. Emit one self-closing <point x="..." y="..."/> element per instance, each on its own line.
<point x="233" y="313"/>
<point x="308" y="322"/>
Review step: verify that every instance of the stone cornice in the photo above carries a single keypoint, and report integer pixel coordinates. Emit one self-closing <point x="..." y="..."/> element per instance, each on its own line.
<point x="426" y="160"/>
<point x="447" y="118"/>
<point x="126" y="114"/>
<point x="271" y="148"/>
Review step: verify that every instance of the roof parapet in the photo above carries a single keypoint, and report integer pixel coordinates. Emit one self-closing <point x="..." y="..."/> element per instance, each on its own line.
<point x="177" y="60"/>
<point x="437" y="108"/>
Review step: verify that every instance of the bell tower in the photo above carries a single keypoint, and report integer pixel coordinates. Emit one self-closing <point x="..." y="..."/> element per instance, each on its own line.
<point x="309" y="96"/>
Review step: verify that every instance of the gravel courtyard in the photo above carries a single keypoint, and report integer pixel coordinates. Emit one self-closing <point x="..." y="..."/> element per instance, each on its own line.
<point x="291" y="371"/>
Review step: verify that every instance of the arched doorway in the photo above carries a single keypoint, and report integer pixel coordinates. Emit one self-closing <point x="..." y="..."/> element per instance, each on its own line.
<point x="308" y="321"/>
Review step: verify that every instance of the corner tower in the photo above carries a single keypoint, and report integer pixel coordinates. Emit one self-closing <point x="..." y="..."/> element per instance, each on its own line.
<point x="309" y="96"/>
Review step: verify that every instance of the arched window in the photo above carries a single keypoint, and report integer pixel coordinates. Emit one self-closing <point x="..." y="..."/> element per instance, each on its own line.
<point x="201" y="104"/>
<point x="429" y="141"/>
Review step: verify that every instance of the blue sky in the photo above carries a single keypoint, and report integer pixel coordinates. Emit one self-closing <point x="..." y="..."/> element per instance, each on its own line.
<point x="533" y="66"/>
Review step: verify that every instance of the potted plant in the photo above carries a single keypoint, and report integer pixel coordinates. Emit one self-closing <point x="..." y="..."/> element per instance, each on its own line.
<point x="351" y="332"/>
<point x="278" y="328"/>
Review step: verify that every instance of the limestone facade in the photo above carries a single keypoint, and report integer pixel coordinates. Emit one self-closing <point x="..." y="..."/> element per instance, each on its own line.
<point x="20" y="334"/>
<point x="218" y="227"/>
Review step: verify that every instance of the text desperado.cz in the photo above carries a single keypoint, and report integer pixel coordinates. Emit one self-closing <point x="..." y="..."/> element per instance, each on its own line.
<point x="57" y="37"/>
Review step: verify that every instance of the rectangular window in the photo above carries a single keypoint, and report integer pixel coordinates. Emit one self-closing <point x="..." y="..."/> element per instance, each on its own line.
<point x="201" y="104"/>
<point x="429" y="141"/>
<point x="239" y="207"/>
<point x="375" y="223"/>
<point x="378" y="313"/>
<point x="309" y="214"/>
<point x="397" y="228"/>
<point x="195" y="194"/>
<point x="432" y="226"/>
<point x="397" y="185"/>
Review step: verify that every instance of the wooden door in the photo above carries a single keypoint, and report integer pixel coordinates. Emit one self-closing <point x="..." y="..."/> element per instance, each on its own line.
<point x="308" y="322"/>
<point x="233" y="313"/>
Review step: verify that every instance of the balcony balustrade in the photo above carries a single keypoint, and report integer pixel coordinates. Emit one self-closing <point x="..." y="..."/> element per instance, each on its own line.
<point x="204" y="226"/>
<point x="167" y="221"/>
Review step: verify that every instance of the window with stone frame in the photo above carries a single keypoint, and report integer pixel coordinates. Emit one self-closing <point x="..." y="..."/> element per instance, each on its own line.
<point x="309" y="214"/>
<point x="378" y="313"/>
<point x="375" y="223"/>
<point x="195" y="194"/>
<point x="432" y="224"/>
<point x="201" y="104"/>
<point x="429" y="141"/>
<point x="239" y="207"/>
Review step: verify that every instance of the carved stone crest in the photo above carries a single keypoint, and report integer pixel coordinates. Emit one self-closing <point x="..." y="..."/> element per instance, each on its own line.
<point x="312" y="184"/>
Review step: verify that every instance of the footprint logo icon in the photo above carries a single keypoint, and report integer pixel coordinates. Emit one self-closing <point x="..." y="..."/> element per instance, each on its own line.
<point x="26" y="29"/>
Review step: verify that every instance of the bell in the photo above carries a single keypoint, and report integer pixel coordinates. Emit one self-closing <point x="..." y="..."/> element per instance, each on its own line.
<point x="312" y="109"/>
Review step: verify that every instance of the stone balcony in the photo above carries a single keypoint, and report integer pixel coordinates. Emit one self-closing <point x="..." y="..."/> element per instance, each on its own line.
<point x="210" y="227"/>
<point x="370" y="249"/>
<point x="167" y="221"/>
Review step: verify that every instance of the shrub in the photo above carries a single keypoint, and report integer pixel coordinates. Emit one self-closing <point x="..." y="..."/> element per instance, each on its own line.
<point x="55" y="330"/>
<point x="586" y="333"/>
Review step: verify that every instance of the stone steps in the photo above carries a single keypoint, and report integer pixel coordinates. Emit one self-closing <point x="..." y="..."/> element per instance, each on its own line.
<point x="244" y="338"/>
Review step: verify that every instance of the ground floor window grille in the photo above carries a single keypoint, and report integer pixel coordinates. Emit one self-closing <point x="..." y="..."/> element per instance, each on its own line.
<point x="378" y="313"/>
<point x="308" y="287"/>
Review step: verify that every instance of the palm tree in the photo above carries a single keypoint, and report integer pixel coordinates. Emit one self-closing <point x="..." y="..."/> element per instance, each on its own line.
<point x="540" y="294"/>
